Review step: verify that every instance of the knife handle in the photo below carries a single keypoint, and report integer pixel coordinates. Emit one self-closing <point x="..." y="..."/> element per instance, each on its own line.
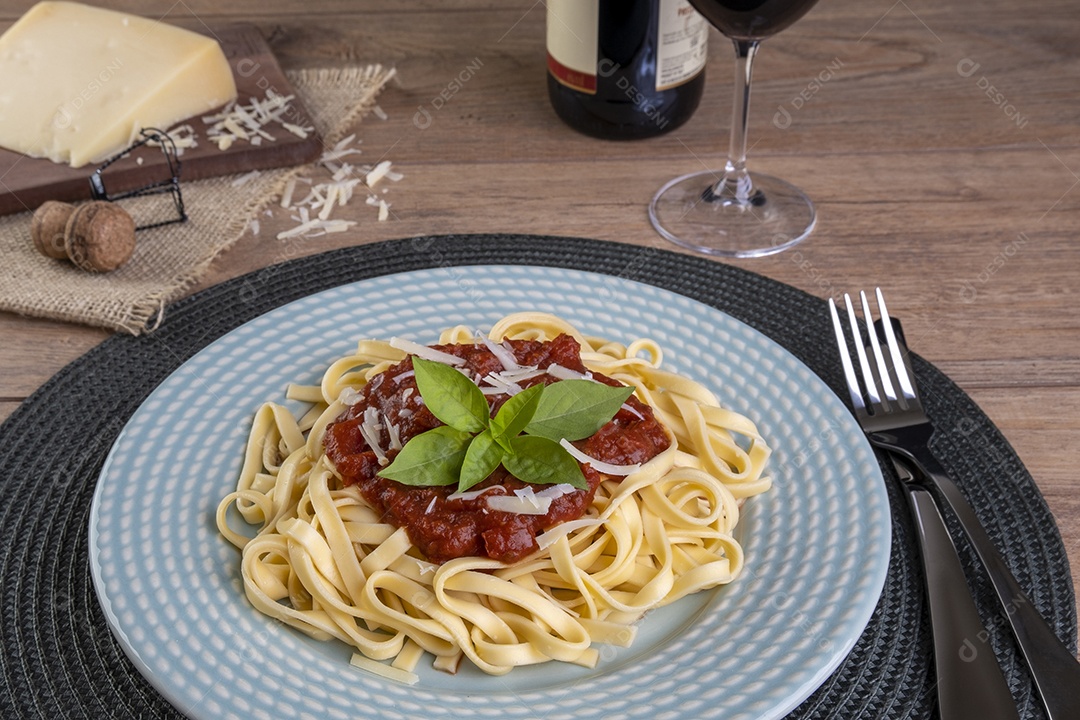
<point x="969" y="680"/>
<point x="1053" y="667"/>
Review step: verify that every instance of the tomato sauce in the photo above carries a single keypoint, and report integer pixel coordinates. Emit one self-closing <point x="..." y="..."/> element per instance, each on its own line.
<point x="444" y="528"/>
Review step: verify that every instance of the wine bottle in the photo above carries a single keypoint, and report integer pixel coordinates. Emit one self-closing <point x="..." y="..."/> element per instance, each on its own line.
<point x="625" y="69"/>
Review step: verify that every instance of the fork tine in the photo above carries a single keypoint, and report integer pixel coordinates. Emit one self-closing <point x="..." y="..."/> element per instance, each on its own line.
<point x="845" y="358"/>
<point x="868" y="377"/>
<point x="894" y="349"/>
<point x="875" y="344"/>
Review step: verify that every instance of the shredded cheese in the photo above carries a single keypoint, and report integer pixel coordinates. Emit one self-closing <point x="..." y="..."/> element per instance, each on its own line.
<point x="598" y="465"/>
<point x="183" y="137"/>
<point x="473" y="494"/>
<point x="246" y="123"/>
<point x="502" y="354"/>
<point x="246" y="178"/>
<point x="425" y="352"/>
<point x="308" y="226"/>
<point x="369" y="430"/>
<point x="323" y="197"/>
<point x="377" y="173"/>
<point x="563" y="373"/>
<point x="505" y="386"/>
<point x="286" y="196"/>
<point x="530" y="504"/>
<point x="557" y="491"/>
<point x="349" y="396"/>
<point x="395" y="435"/>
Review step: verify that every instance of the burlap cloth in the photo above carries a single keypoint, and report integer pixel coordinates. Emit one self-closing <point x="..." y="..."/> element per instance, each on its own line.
<point x="170" y="259"/>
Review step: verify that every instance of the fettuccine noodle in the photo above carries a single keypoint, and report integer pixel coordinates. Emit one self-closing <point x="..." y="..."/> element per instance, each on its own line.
<point x="324" y="563"/>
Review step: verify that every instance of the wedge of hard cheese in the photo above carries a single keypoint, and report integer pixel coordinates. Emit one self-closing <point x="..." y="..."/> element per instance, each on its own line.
<point x="79" y="82"/>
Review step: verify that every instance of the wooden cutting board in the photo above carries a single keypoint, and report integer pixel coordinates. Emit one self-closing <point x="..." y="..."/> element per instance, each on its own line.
<point x="25" y="182"/>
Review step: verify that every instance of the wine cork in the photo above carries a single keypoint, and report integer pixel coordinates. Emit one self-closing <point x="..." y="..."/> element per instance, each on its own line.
<point x="99" y="236"/>
<point x="47" y="228"/>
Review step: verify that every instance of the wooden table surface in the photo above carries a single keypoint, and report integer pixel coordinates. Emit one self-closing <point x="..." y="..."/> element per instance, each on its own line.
<point x="939" y="141"/>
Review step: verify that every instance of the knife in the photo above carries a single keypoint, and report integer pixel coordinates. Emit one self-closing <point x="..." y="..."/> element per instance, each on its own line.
<point x="970" y="683"/>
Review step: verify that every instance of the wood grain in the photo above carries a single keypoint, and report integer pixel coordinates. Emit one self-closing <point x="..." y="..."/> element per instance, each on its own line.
<point x="938" y="140"/>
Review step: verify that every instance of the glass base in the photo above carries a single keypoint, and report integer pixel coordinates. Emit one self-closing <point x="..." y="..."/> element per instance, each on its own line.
<point x="775" y="217"/>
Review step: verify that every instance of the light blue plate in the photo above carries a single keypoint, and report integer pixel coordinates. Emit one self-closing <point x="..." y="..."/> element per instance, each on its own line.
<point x="817" y="544"/>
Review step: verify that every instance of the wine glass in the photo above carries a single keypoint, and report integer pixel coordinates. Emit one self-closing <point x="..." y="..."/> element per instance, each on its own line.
<point x="729" y="212"/>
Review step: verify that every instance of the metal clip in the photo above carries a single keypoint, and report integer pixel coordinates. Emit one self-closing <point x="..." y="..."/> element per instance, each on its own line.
<point x="171" y="185"/>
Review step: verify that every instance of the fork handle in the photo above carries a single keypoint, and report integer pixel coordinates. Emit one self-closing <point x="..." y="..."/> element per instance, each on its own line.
<point x="969" y="680"/>
<point x="1053" y="667"/>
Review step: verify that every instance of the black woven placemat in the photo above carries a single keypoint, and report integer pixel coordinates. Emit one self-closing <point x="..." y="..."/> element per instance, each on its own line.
<point x="59" y="659"/>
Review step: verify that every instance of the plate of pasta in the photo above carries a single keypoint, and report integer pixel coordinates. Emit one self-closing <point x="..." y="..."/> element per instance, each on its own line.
<point x="490" y="491"/>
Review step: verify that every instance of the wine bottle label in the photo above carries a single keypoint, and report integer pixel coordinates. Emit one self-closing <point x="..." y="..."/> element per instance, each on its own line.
<point x="572" y="42"/>
<point x="683" y="37"/>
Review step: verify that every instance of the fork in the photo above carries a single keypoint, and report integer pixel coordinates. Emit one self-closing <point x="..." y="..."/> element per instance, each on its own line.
<point x="896" y="421"/>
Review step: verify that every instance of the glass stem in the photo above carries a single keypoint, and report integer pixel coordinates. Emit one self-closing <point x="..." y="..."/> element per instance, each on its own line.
<point x="736" y="184"/>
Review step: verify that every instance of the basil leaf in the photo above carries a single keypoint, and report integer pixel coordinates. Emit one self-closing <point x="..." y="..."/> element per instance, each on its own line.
<point x="542" y="461"/>
<point x="451" y="397"/>
<point x="481" y="459"/>
<point x="575" y="409"/>
<point x="515" y="414"/>
<point x="430" y="458"/>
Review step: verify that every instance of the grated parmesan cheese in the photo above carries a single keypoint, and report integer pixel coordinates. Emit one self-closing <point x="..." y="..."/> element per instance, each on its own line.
<point x="563" y="373"/>
<point x="309" y="227"/>
<point x="377" y="173"/>
<point x="598" y="465"/>
<point x="349" y="396"/>
<point x="286" y="196"/>
<point x="345" y="179"/>
<point x="425" y="352"/>
<point x="369" y="429"/>
<point x="473" y="494"/>
<point x="182" y="136"/>
<point x="247" y="122"/>
<point x="525" y="504"/>
<point x="395" y="435"/>
<point x="528" y="502"/>
<point x="503" y="386"/>
<point x="246" y="178"/>
<point x="296" y="130"/>
<point x="557" y="491"/>
<point x="501" y="353"/>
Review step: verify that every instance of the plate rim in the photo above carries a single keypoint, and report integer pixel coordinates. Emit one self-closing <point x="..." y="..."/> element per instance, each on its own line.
<point x="162" y="684"/>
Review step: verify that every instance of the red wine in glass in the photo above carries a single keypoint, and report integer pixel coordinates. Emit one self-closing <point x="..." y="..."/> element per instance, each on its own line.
<point x="752" y="19"/>
<point x="727" y="212"/>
